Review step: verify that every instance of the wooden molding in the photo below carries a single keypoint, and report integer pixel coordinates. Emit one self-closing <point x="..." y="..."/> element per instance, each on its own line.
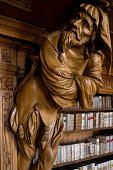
<point x="21" y="30"/>
<point x="22" y="5"/>
<point x="10" y="68"/>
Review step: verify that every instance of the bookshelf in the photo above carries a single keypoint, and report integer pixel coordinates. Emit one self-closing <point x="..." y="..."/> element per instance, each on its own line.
<point x="83" y="160"/>
<point x="103" y="111"/>
<point x="71" y="111"/>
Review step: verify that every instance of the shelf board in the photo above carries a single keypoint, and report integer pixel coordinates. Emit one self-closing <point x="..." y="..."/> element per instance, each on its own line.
<point x="71" y="111"/>
<point x="83" y="130"/>
<point x="82" y="160"/>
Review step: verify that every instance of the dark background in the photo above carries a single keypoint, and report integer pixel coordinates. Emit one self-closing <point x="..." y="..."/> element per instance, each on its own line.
<point x="49" y="14"/>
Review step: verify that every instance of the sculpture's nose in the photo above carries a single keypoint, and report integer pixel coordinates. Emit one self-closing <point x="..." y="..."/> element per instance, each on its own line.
<point x="78" y="25"/>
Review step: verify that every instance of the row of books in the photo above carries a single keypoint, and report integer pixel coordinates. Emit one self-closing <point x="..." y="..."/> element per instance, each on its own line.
<point x="107" y="165"/>
<point x="102" y="102"/>
<point x="87" y="120"/>
<point x="93" y="120"/>
<point x="68" y="121"/>
<point x="92" y="147"/>
<point x="99" y="102"/>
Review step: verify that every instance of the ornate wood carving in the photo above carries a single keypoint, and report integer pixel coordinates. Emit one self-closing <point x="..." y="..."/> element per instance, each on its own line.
<point x="107" y="85"/>
<point x="8" y="68"/>
<point x="7" y="154"/>
<point x="7" y="138"/>
<point x="6" y="55"/>
<point x="6" y="82"/>
<point x="11" y="58"/>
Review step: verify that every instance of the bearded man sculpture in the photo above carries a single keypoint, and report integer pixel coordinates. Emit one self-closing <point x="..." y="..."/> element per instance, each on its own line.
<point x="70" y="70"/>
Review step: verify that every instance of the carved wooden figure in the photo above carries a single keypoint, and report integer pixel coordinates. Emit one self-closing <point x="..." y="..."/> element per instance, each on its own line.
<point x="68" y="70"/>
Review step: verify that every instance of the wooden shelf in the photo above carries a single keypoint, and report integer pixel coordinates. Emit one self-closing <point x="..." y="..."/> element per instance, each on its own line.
<point x="71" y="111"/>
<point x="82" y="160"/>
<point x="83" y="130"/>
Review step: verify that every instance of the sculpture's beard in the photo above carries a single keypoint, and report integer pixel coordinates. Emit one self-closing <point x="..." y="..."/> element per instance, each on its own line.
<point x="69" y="38"/>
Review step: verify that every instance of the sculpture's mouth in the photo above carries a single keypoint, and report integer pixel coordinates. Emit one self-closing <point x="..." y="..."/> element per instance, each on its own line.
<point x="76" y="33"/>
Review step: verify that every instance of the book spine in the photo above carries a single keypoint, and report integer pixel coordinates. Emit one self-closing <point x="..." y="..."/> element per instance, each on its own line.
<point x="80" y="121"/>
<point x="88" y="150"/>
<point x="107" y="144"/>
<point x="73" y="152"/>
<point x="65" y="121"/>
<point x="97" y="146"/>
<point x="77" y="121"/>
<point x="62" y="154"/>
<point x="77" y="151"/>
<point x="110" y="119"/>
<point x="86" y="121"/>
<point x="59" y="155"/>
<point x="83" y="121"/>
<point x="103" y="102"/>
<point x="102" y="120"/>
<point x="91" y="120"/>
<point x="100" y="102"/>
<point x="99" y="166"/>
<point x="71" y="127"/>
<point x="68" y="122"/>
<point x="97" y="120"/>
<point x="69" y="148"/>
<point x="82" y="150"/>
<point x="65" y="153"/>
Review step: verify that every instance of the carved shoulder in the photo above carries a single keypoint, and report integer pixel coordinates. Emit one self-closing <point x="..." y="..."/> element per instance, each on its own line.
<point x="53" y="38"/>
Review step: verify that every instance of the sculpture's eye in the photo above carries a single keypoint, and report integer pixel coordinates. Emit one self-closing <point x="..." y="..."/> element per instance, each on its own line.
<point x="86" y="24"/>
<point x="75" y="16"/>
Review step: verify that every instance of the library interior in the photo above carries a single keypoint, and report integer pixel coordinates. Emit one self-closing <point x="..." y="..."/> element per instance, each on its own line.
<point x="56" y="85"/>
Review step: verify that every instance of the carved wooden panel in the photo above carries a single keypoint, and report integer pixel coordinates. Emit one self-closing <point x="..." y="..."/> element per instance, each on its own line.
<point x="107" y="85"/>
<point x="6" y="82"/>
<point x="12" y="65"/>
<point x="8" y="137"/>
<point x="7" y="54"/>
<point x="8" y="149"/>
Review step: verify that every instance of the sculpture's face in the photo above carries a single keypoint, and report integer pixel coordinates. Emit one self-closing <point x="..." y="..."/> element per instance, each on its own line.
<point x="82" y="26"/>
<point x="78" y="31"/>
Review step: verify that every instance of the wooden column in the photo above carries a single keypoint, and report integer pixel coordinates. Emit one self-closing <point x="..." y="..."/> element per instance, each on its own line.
<point x="16" y="43"/>
<point x="8" y="69"/>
